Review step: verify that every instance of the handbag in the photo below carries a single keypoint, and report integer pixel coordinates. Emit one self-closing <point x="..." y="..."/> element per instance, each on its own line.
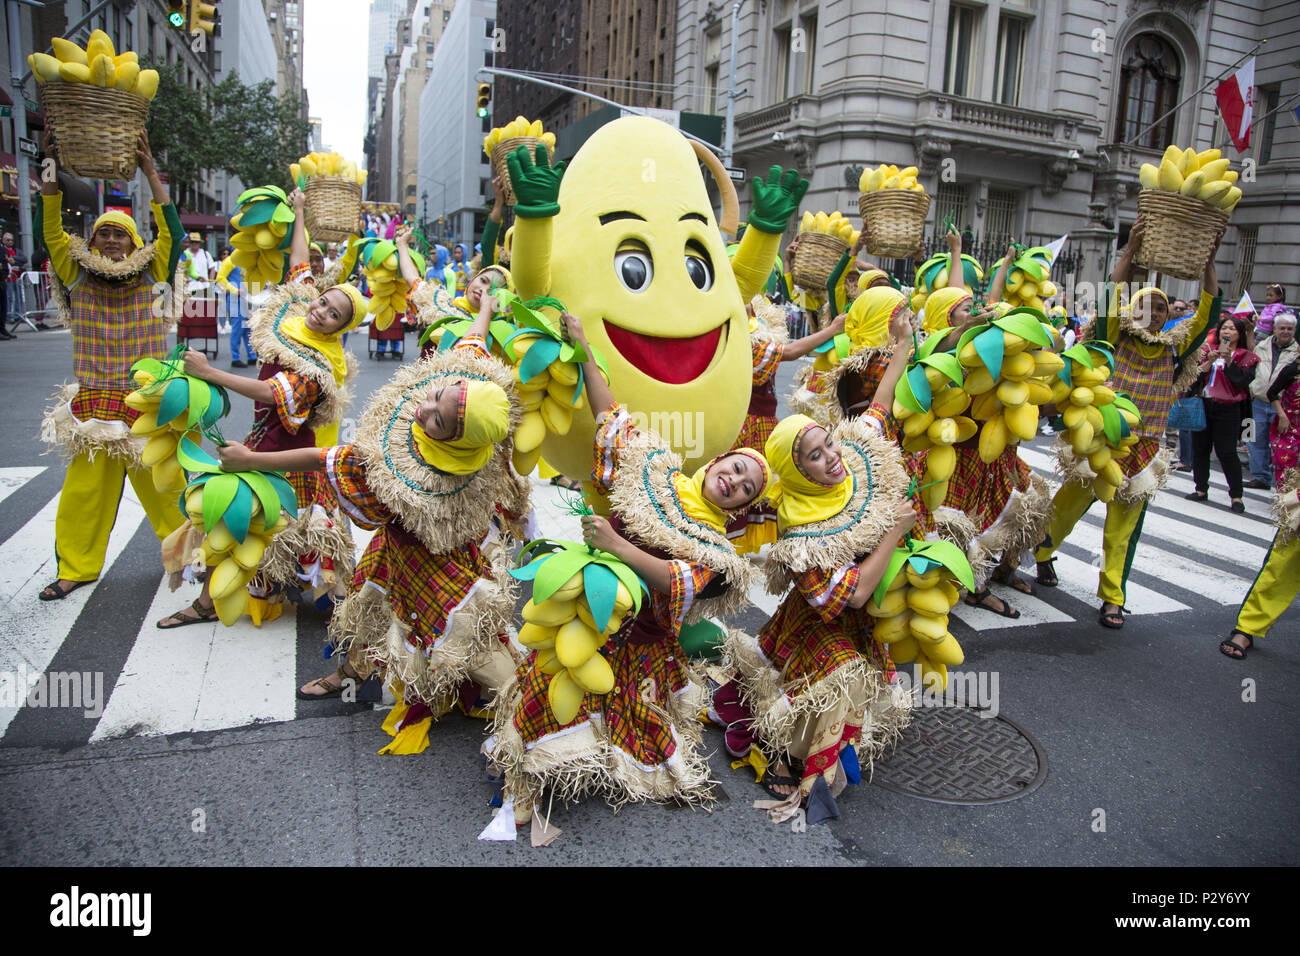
<point x="1187" y="415"/>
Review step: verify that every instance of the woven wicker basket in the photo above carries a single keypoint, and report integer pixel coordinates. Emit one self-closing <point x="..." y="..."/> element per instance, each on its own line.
<point x="503" y="149"/>
<point x="95" y="128"/>
<point x="332" y="208"/>
<point x="1180" y="233"/>
<point x="815" y="257"/>
<point x="895" y="220"/>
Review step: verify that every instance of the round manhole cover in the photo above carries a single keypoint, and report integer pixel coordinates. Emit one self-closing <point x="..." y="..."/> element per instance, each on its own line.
<point x="961" y="755"/>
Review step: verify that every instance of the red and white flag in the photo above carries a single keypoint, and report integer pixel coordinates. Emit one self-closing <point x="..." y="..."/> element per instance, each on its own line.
<point x="1236" y="98"/>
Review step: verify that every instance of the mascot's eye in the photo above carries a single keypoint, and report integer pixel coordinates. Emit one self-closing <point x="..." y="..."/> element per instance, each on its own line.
<point x="634" y="269"/>
<point x="700" y="271"/>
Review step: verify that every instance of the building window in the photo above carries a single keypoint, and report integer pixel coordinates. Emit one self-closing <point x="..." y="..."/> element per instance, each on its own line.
<point x="487" y="57"/>
<point x="1268" y="96"/>
<point x="809" y="26"/>
<point x="1000" y="219"/>
<point x="781" y="75"/>
<point x="1148" y="88"/>
<point x="712" y="60"/>
<point x="951" y="202"/>
<point x="1247" y="236"/>
<point x="410" y="189"/>
<point x="1010" y="60"/>
<point x="957" y="67"/>
<point x="490" y="27"/>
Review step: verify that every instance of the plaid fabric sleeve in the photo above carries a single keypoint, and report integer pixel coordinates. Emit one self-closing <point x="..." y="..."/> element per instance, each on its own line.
<point x="473" y="343"/>
<point x="347" y="476"/>
<point x="767" y="359"/>
<point x="884" y="421"/>
<point x="828" y="592"/>
<point x="293" y="395"/>
<point x="613" y="427"/>
<point x="300" y="273"/>
<point x="686" y="581"/>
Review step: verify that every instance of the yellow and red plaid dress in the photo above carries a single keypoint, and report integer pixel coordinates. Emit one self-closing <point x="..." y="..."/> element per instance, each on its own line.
<point x="815" y="632"/>
<point x="423" y="589"/>
<point x="647" y="661"/>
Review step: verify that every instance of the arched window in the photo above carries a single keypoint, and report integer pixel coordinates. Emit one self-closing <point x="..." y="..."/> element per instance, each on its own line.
<point x="1148" y="88"/>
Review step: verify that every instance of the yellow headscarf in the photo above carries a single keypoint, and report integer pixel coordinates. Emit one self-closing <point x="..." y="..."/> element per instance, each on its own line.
<point x="939" y="305"/>
<point x="867" y="325"/>
<point x="1143" y="293"/>
<point x="462" y="301"/>
<point x="690" y="490"/>
<point x="797" y="498"/>
<point x="329" y="345"/>
<point x="868" y="276"/>
<point x="482" y="420"/>
<point x="118" y="219"/>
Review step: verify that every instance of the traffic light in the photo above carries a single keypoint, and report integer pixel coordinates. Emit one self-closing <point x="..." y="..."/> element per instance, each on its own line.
<point x="176" y="13"/>
<point x="484" y="98"/>
<point x="202" y="17"/>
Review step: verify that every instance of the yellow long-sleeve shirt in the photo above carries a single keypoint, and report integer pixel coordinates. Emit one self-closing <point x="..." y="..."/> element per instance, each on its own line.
<point x="57" y="242"/>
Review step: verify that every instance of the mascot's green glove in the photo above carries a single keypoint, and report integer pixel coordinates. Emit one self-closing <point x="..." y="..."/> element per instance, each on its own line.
<point x="536" y="182"/>
<point x="776" y="200"/>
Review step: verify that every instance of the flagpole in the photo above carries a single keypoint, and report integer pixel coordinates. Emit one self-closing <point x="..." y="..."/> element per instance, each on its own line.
<point x="1193" y="96"/>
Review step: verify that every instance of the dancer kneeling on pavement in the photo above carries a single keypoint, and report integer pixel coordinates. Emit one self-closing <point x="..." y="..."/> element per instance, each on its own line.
<point x="429" y="470"/>
<point x="1153" y="366"/>
<point x="105" y="295"/>
<point x="301" y="386"/>
<point x="640" y="741"/>
<point x="820" y="689"/>
<point x="1278" y="581"/>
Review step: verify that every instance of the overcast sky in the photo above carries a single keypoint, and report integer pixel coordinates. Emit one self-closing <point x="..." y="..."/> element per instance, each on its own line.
<point x="334" y="71"/>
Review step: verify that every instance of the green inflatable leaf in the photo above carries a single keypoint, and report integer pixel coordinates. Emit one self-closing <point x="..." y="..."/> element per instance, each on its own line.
<point x="842" y="345"/>
<point x="239" y="512"/>
<point x="1080" y="354"/>
<point x="932" y="342"/>
<point x="175" y="398"/>
<point x="217" y="495"/>
<point x="952" y="558"/>
<point x="920" y="386"/>
<point x="1111" y="422"/>
<point x="258" y="213"/>
<point x="631" y="580"/>
<point x="555" y="572"/>
<point x="194" y="458"/>
<point x="1026" y="323"/>
<point x="542" y="354"/>
<point x="284" y="491"/>
<point x="892" y="570"/>
<point x="904" y="396"/>
<point x="261" y="487"/>
<point x="947" y="363"/>
<point x="989" y="346"/>
<point x="200" y="399"/>
<point x="600" y="585"/>
<point x="283" y="214"/>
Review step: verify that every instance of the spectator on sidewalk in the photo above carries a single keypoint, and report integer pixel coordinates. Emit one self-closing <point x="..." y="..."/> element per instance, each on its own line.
<point x="17" y="265"/>
<point x="230" y="279"/>
<point x="6" y="270"/>
<point x="1227" y="369"/>
<point x="1274" y="352"/>
<point x="1274" y="304"/>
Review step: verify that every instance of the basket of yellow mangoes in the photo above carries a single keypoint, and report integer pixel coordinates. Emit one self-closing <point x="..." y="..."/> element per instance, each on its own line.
<point x="96" y="102"/>
<point x="1186" y="201"/>
<point x="893" y="206"/>
<point x="823" y="239"/>
<point x="332" y="187"/>
<point x="504" y="140"/>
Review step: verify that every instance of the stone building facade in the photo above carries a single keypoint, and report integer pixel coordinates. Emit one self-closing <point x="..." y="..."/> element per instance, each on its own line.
<point x="1025" y="117"/>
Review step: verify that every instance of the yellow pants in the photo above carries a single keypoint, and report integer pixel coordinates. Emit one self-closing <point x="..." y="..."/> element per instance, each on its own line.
<point x="1274" y="589"/>
<point x="88" y="505"/>
<point x="1119" y="536"/>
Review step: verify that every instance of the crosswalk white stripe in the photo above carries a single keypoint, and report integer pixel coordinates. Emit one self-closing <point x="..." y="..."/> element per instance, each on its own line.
<point x="11" y="479"/>
<point x="1195" y="515"/>
<point x="204" y="676"/>
<point x="1079" y="579"/>
<point x="35" y="630"/>
<point x="1219" y="584"/>
<point x="1202" y="539"/>
<point x="1033" y="611"/>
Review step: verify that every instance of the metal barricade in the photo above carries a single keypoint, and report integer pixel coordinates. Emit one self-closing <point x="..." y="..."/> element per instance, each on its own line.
<point x="35" y="306"/>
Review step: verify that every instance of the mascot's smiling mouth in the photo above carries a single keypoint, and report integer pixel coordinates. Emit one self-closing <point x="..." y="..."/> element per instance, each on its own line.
<point x="675" y="361"/>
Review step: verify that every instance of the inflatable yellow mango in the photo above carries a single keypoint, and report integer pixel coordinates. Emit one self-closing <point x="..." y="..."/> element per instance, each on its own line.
<point x="636" y="253"/>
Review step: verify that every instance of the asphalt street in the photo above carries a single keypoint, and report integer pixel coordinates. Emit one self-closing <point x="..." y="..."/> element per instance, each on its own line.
<point x="1159" y="750"/>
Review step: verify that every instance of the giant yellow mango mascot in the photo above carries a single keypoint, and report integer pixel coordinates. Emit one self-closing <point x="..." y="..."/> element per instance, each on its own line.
<point x="627" y="240"/>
